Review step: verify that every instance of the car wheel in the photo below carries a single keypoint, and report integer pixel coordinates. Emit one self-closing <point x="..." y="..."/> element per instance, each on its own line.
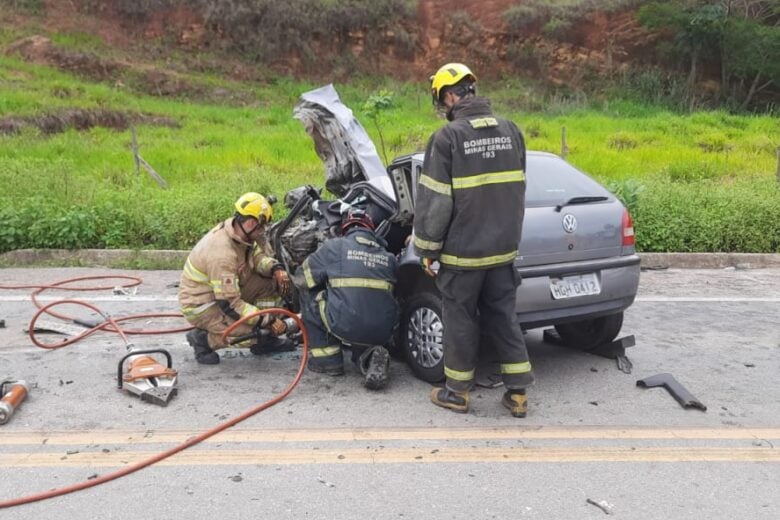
<point x="589" y="334"/>
<point x="422" y="336"/>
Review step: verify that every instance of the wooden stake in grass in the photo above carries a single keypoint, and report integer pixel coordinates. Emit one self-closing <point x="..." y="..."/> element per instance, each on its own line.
<point x="777" y="173"/>
<point x="139" y="161"/>
<point x="564" y="146"/>
<point x="135" y="151"/>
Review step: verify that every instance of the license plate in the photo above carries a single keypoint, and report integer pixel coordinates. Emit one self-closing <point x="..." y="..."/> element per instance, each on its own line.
<point x="573" y="286"/>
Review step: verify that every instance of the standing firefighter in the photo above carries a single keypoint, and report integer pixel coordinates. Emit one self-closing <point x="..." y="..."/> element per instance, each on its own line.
<point x="468" y="216"/>
<point x="348" y="299"/>
<point x="231" y="266"/>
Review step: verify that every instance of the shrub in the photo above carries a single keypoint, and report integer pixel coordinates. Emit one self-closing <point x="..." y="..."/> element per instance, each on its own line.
<point x="693" y="170"/>
<point x="32" y="6"/>
<point x="267" y="30"/>
<point x="714" y="142"/>
<point x="627" y="191"/>
<point x="763" y="144"/>
<point x="405" y="43"/>
<point x="655" y="86"/>
<point x="622" y="141"/>
<point x="521" y="17"/>
<point x="557" y="27"/>
<point x="709" y="216"/>
<point x="533" y="129"/>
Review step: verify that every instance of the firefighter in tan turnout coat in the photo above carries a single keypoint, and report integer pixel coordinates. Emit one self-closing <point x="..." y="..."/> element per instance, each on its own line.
<point x="232" y="273"/>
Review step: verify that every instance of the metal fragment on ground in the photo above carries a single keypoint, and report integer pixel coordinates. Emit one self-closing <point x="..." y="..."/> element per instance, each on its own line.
<point x="624" y="364"/>
<point x="678" y="391"/>
<point x="602" y="504"/>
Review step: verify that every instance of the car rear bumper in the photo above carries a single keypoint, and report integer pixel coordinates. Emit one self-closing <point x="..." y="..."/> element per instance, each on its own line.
<point x="535" y="306"/>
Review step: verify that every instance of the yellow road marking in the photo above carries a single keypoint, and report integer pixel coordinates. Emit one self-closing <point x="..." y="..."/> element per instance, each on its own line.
<point x="197" y="457"/>
<point x="384" y="434"/>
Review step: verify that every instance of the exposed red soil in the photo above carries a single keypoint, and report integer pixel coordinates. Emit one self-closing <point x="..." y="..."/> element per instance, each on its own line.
<point x="602" y="44"/>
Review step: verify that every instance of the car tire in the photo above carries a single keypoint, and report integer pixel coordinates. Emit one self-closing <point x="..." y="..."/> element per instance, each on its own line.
<point x="588" y="334"/>
<point x="422" y="336"/>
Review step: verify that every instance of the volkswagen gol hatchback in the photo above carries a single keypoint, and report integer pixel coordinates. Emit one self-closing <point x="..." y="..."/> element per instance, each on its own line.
<point x="576" y="258"/>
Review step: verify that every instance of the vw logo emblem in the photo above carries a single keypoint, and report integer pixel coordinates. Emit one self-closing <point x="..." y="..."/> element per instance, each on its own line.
<point x="569" y="223"/>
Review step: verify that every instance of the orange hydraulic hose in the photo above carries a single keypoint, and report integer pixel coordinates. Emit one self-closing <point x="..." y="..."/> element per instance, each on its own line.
<point x="109" y="325"/>
<point x="190" y="442"/>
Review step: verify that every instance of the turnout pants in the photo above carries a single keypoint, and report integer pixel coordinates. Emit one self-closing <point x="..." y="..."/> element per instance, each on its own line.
<point x="326" y="349"/>
<point x="256" y="290"/>
<point x="475" y="301"/>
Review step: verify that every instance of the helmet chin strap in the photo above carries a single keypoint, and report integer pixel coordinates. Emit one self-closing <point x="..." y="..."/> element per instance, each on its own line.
<point x="244" y="231"/>
<point x="448" y="115"/>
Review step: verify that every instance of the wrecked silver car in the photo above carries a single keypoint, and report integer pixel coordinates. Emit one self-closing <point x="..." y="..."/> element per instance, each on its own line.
<point x="576" y="258"/>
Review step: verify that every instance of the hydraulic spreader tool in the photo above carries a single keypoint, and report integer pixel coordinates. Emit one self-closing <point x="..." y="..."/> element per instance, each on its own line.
<point x="146" y="377"/>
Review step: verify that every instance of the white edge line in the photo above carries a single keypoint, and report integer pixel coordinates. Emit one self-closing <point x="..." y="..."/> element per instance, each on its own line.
<point x="683" y="299"/>
<point x="160" y="298"/>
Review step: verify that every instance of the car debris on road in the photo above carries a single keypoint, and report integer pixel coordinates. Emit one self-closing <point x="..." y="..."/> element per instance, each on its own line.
<point x="678" y="391"/>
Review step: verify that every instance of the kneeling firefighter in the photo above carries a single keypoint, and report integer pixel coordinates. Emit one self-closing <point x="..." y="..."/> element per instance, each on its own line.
<point x="232" y="273"/>
<point x="348" y="300"/>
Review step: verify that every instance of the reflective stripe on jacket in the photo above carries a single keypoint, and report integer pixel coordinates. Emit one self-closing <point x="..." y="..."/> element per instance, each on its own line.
<point x="471" y="193"/>
<point x="211" y="274"/>
<point x="354" y="277"/>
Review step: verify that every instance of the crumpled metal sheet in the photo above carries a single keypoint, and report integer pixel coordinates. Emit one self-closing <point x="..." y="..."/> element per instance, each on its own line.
<point x="339" y="140"/>
<point x="301" y="240"/>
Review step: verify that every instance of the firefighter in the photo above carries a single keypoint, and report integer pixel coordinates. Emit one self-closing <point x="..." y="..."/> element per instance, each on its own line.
<point x="347" y="299"/>
<point x="232" y="273"/>
<point x="468" y="217"/>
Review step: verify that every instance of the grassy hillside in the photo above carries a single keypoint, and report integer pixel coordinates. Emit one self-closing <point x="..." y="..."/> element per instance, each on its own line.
<point x="700" y="182"/>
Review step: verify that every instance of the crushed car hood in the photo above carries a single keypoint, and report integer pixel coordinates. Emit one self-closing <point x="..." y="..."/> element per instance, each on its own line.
<point x="341" y="142"/>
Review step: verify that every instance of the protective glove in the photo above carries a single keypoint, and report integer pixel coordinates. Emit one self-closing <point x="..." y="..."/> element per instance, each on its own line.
<point x="283" y="283"/>
<point x="276" y="326"/>
<point x="426" y="265"/>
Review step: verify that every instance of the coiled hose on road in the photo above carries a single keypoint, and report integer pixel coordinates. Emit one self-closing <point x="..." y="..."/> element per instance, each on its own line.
<point x="112" y="325"/>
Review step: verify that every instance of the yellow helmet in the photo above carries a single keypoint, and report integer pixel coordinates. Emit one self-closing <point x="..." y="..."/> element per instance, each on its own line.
<point x="254" y="205"/>
<point x="447" y="76"/>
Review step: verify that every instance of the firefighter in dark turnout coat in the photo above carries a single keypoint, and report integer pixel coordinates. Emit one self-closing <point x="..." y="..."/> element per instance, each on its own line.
<point x="468" y="217"/>
<point x="348" y="300"/>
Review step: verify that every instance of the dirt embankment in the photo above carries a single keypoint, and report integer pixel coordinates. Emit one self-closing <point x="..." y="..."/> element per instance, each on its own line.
<point x="472" y="31"/>
<point x="81" y="119"/>
<point x="39" y="49"/>
<point x="124" y="73"/>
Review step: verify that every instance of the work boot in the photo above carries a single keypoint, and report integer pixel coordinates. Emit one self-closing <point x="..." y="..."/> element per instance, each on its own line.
<point x="516" y="402"/>
<point x="374" y="364"/>
<point x="331" y="367"/>
<point x="455" y="401"/>
<point x="272" y="344"/>
<point x="199" y="341"/>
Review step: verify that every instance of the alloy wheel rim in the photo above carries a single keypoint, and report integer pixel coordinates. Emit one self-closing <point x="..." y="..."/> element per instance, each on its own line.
<point x="424" y="337"/>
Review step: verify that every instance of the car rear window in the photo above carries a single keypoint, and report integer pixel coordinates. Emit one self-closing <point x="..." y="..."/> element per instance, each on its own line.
<point x="551" y="180"/>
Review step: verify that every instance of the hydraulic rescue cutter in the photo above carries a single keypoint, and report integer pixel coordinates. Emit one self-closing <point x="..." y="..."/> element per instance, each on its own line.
<point x="145" y="377"/>
<point x="291" y="330"/>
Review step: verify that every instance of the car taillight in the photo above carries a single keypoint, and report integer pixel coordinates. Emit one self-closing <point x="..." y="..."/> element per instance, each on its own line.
<point x="628" y="229"/>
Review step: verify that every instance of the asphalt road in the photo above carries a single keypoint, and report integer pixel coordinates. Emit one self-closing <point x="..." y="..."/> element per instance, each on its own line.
<point x="335" y="450"/>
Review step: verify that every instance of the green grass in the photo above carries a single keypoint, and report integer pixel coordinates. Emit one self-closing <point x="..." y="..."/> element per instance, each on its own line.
<point x="701" y="173"/>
